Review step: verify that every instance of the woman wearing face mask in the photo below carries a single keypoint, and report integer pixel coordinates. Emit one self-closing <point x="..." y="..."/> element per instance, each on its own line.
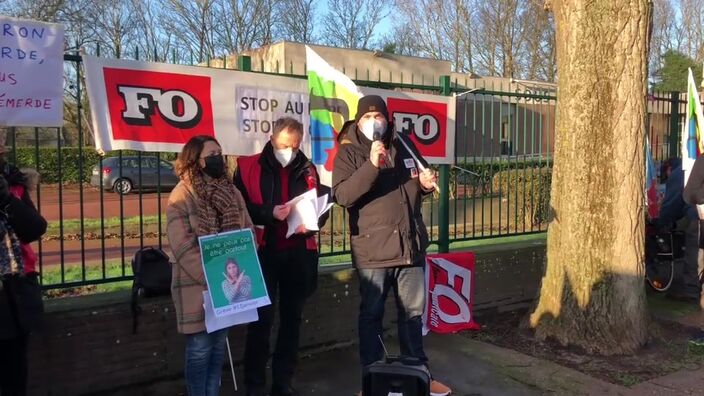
<point x="203" y="203"/>
<point x="290" y="265"/>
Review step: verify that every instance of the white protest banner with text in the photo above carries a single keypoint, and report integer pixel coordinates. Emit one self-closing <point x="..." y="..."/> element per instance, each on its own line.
<point x="258" y="108"/>
<point x="149" y="106"/>
<point x="31" y="73"/>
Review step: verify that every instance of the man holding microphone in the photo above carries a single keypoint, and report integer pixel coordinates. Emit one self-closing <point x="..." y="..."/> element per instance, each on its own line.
<point x="381" y="184"/>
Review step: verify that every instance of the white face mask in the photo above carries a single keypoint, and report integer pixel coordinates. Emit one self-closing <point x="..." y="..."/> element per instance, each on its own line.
<point x="285" y="156"/>
<point x="371" y="126"/>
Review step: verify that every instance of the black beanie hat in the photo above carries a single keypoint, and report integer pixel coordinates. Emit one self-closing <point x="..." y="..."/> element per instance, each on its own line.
<point x="371" y="103"/>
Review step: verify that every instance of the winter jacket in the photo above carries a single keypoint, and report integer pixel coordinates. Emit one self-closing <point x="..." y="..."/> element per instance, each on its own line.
<point x="674" y="206"/>
<point x="259" y="178"/>
<point x="21" y="306"/>
<point x="384" y="204"/>
<point x="188" y="280"/>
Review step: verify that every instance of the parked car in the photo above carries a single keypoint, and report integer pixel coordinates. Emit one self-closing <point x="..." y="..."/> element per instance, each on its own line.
<point x="127" y="179"/>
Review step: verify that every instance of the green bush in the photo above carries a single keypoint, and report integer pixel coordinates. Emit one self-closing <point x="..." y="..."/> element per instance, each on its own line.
<point x="527" y="192"/>
<point x="71" y="157"/>
<point x="480" y="183"/>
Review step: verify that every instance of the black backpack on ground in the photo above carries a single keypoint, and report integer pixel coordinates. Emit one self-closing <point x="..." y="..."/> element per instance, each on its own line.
<point x="152" y="278"/>
<point x="396" y="375"/>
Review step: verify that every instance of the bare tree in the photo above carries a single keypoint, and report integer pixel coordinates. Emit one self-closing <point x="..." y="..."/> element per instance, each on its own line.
<point x="400" y="40"/>
<point x="40" y="10"/>
<point x="296" y="20"/>
<point x="662" y="36"/>
<point x="352" y="23"/>
<point x="692" y="22"/>
<point x="539" y="43"/>
<point x="155" y="42"/>
<point x="439" y="29"/>
<point x="501" y="35"/>
<point x="113" y="22"/>
<point x="193" y="26"/>
<point x="592" y="295"/>
<point x="244" y="24"/>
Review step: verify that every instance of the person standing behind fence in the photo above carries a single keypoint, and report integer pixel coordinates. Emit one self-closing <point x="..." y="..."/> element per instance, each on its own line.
<point x="379" y="183"/>
<point x="203" y="203"/>
<point x="20" y="294"/>
<point x="290" y="265"/>
<point x="676" y="211"/>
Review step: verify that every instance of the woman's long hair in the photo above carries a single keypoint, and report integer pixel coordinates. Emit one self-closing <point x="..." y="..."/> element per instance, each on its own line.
<point x="187" y="167"/>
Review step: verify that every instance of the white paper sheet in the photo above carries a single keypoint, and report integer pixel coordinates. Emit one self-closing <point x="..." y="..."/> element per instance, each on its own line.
<point x="306" y="209"/>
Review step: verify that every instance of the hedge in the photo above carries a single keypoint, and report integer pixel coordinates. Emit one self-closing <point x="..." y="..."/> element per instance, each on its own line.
<point x="481" y="185"/>
<point x="70" y="160"/>
<point x="49" y="169"/>
<point x="527" y="192"/>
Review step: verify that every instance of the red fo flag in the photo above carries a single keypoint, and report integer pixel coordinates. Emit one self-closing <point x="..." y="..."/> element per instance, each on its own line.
<point x="450" y="284"/>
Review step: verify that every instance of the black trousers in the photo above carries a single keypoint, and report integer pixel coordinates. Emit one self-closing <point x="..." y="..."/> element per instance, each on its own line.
<point x="13" y="366"/>
<point x="290" y="275"/>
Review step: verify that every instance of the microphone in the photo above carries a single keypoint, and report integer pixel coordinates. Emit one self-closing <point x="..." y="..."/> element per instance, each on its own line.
<point x="376" y="136"/>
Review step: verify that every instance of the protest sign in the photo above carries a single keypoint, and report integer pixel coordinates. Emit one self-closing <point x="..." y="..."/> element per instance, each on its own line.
<point x="31" y="73"/>
<point x="233" y="272"/>
<point x="449" y="280"/>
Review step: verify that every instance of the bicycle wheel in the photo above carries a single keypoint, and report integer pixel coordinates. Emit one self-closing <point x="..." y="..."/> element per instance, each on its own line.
<point x="659" y="274"/>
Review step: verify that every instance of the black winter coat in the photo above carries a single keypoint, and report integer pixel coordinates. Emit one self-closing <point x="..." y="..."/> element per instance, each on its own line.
<point x="384" y="204"/>
<point x="21" y="306"/>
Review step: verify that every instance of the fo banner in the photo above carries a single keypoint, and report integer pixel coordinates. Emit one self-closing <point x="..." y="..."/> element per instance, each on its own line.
<point x="428" y="120"/>
<point x="450" y="284"/>
<point x="31" y="73"/>
<point x="158" y="107"/>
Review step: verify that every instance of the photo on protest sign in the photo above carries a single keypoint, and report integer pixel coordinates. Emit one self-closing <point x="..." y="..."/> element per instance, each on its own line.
<point x="233" y="272"/>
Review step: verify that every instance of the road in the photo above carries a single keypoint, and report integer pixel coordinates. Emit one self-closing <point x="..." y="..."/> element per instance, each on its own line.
<point x="65" y="203"/>
<point x="56" y="203"/>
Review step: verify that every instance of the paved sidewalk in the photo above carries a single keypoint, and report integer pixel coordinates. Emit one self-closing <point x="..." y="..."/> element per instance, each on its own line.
<point x="474" y="368"/>
<point x="471" y="368"/>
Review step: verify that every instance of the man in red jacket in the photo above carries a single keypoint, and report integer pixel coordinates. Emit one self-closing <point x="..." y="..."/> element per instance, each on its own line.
<point x="290" y="265"/>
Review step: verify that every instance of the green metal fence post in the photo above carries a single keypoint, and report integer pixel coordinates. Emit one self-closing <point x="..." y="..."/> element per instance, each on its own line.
<point x="674" y="124"/>
<point x="444" y="184"/>
<point x="244" y="63"/>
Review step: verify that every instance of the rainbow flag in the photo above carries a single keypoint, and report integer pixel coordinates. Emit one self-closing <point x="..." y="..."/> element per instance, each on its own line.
<point x="692" y="142"/>
<point x="333" y="100"/>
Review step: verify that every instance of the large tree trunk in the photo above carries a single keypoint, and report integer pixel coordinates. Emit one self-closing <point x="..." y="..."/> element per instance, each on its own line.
<point x="592" y="294"/>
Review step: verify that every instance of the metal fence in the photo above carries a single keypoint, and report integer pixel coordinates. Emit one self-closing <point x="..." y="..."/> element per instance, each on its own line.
<point x="498" y="186"/>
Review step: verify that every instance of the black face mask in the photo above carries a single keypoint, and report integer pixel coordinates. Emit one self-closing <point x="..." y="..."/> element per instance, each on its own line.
<point x="214" y="166"/>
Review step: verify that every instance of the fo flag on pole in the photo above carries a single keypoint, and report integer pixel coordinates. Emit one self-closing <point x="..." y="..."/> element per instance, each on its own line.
<point x="450" y="286"/>
<point x="692" y="143"/>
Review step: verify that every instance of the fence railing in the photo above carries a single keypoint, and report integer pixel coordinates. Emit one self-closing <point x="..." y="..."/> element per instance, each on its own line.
<point x="102" y="209"/>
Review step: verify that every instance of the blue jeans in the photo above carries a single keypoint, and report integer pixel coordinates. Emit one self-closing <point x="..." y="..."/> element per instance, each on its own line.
<point x="205" y="355"/>
<point x="408" y="284"/>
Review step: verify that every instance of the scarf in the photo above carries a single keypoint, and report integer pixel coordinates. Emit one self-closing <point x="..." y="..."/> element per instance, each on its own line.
<point x="218" y="210"/>
<point x="11" y="261"/>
